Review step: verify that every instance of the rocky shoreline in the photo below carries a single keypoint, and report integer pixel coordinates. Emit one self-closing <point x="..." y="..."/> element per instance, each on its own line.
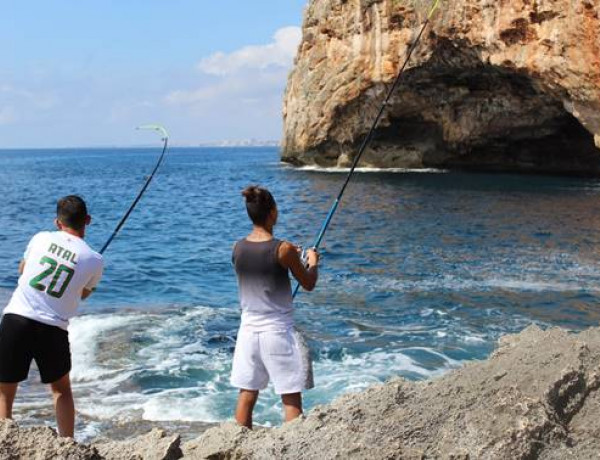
<point x="537" y="396"/>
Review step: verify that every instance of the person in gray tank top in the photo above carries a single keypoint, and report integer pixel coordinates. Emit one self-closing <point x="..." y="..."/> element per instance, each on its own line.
<point x="268" y="348"/>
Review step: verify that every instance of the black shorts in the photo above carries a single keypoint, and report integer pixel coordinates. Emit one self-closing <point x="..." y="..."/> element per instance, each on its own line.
<point x="22" y="340"/>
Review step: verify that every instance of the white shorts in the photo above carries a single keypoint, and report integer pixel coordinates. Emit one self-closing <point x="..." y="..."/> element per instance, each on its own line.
<point x="279" y="356"/>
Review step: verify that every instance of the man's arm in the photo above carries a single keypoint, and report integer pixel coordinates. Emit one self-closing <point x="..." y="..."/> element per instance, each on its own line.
<point x="306" y="275"/>
<point x="21" y="267"/>
<point x="91" y="286"/>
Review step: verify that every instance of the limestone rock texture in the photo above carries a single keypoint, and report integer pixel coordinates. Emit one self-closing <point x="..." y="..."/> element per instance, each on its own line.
<point x="494" y="85"/>
<point x="536" y="397"/>
<point x="156" y="445"/>
<point x="40" y="443"/>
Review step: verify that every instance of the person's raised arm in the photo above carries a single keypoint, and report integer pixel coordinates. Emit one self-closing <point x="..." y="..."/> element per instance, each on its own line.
<point x="289" y="257"/>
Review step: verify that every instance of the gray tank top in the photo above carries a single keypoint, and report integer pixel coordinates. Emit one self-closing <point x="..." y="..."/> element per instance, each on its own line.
<point x="264" y="286"/>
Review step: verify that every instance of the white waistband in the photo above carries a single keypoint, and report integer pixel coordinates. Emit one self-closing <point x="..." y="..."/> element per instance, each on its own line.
<point x="259" y="323"/>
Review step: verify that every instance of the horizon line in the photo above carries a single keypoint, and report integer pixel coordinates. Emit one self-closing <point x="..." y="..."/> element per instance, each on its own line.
<point x="225" y="144"/>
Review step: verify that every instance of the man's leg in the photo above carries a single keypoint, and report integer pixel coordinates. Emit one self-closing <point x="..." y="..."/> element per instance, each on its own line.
<point x="7" y="397"/>
<point x="292" y="406"/>
<point x="15" y="358"/>
<point x="64" y="406"/>
<point x="245" y="406"/>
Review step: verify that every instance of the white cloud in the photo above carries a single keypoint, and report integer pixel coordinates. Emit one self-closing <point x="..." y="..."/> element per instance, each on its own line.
<point x="279" y="53"/>
<point x="252" y="73"/>
<point x="239" y="94"/>
<point x="203" y="94"/>
<point x="123" y="111"/>
<point x="8" y="115"/>
<point x="38" y="100"/>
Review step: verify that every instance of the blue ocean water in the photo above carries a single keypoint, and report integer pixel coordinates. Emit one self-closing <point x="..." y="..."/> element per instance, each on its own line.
<point x="421" y="272"/>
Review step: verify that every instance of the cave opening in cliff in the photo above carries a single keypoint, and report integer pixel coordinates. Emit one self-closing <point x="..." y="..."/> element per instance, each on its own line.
<point x="456" y="112"/>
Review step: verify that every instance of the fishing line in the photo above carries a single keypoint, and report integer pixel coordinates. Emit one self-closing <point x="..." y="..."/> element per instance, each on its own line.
<point x="165" y="139"/>
<point x="370" y="134"/>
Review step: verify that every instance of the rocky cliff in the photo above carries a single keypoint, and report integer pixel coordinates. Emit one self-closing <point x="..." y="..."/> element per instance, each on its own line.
<point x="494" y="84"/>
<point x="538" y="396"/>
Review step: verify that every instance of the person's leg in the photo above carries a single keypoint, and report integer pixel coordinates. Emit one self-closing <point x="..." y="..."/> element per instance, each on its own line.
<point x="7" y="397"/>
<point x="284" y="362"/>
<point x="292" y="406"/>
<point x="245" y="406"/>
<point x="64" y="406"/>
<point x="248" y="371"/>
<point x="52" y="353"/>
<point x="15" y="358"/>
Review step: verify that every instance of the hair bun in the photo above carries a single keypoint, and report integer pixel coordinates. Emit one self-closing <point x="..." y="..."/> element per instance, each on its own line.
<point x="252" y="194"/>
<point x="259" y="203"/>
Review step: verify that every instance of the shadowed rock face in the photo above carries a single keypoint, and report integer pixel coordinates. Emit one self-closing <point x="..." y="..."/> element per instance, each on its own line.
<point x="495" y="85"/>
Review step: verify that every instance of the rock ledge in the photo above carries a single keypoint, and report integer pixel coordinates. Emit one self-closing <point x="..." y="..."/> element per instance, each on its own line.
<point x="538" y="396"/>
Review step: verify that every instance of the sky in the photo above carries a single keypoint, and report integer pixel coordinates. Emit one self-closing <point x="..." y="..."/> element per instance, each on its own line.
<point x="82" y="73"/>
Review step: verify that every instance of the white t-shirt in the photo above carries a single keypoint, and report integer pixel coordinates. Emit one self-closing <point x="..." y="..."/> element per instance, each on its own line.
<point x="58" y="267"/>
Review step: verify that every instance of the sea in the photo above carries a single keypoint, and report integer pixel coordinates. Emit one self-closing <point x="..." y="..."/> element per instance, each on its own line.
<point x="422" y="271"/>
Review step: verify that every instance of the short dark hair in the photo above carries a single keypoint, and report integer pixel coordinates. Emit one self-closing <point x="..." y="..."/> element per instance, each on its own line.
<point x="259" y="203"/>
<point x="72" y="212"/>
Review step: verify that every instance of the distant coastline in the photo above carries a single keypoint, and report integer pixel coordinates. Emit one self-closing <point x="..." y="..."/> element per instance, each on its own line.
<point x="238" y="143"/>
<point x="248" y="143"/>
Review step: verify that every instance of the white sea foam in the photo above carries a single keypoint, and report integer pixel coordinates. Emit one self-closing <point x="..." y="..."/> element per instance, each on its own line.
<point x="453" y="283"/>
<point x="355" y="372"/>
<point x="449" y="362"/>
<point x="120" y="388"/>
<point x="537" y="285"/>
<point x="473" y="339"/>
<point x="337" y="170"/>
<point x="171" y="352"/>
<point x="84" y="333"/>
<point x="90" y="430"/>
<point x="103" y="405"/>
<point x="165" y="407"/>
<point x="355" y="332"/>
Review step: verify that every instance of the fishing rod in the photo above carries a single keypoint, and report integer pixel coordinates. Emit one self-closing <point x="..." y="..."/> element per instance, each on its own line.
<point x="165" y="139"/>
<point x="369" y="136"/>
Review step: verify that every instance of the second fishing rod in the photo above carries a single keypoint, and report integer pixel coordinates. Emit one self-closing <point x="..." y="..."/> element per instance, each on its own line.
<point x="369" y="137"/>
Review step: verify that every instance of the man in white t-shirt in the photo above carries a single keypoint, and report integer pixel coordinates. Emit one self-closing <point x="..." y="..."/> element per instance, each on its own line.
<point x="58" y="270"/>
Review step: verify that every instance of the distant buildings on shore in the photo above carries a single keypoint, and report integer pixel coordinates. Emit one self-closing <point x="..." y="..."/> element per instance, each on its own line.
<point x="241" y="143"/>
